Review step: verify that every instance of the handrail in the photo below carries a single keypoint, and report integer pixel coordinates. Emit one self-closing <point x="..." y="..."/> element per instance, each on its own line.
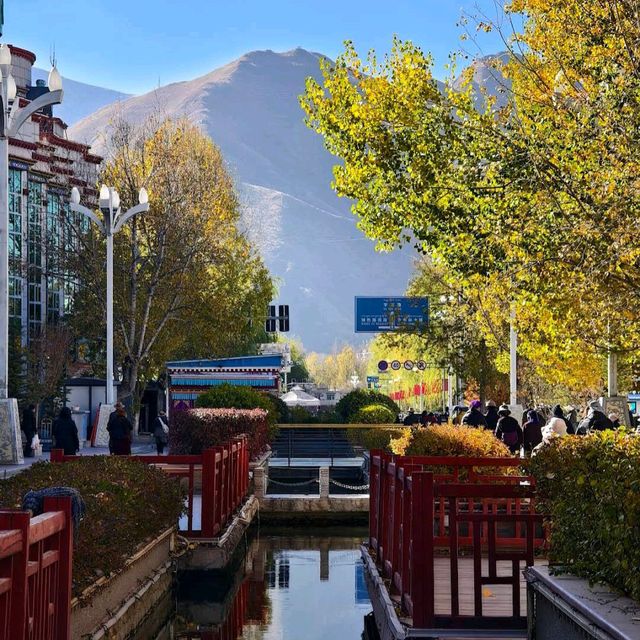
<point x="10" y="542"/>
<point x="46" y="525"/>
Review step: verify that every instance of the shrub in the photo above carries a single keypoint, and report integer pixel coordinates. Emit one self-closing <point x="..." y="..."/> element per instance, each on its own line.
<point x="373" y="414"/>
<point x="452" y="440"/>
<point x="228" y="396"/>
<point x="128" y="503"/>
<point x="195" y="430"/>
<point x="359" y="398"/>
<point x="376" y="438"/>
<point x="589" y="489"/>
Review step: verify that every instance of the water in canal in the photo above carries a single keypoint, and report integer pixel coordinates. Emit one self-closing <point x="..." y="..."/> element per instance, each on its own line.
<point x="285" y="585"/>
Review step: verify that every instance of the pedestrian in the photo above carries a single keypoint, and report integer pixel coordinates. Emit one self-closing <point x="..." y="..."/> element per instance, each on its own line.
<point x="424" y="419"/>
<point x="571" y="417"/>
<point x="532" y="435"/>
<point x="119" y="429"/>
<point x="474" y="417"/>
<point x="65" y="433"/>
<point x="508" y="430"/>
<point x="491" y="416"/>
<point x="596" y="419"/>
<point x="29" y="428"/>
<point x="558" y="413"/>
<point x="410" y="418"/>
<point x="161" y="432"/>
<point x="615" y="420"/>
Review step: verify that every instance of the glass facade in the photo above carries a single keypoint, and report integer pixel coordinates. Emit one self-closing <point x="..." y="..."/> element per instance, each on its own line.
<point x="41" y="230"/>
<point x="15" y="243"/>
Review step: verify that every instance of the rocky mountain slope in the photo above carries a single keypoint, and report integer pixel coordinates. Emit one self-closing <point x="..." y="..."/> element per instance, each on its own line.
<point x="306" y="234"/>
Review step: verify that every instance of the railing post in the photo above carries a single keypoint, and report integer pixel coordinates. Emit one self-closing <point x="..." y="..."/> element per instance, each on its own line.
<point x="324" y="482"/>
<point x="422" y="573"/>
<point x="260" y="482"/>
<point x="374" y="498"/>
<point x="65" y="563"/>
<point x="57" y="455"/>
<point x="19" y="588"/>
<point x="208" y="493"/>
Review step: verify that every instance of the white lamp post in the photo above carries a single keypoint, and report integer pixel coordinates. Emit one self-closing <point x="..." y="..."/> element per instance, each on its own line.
<point x="12" y="117"/>
<point x="112" y="220"/>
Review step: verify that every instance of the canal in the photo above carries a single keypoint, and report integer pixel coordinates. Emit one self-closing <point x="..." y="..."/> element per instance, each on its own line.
<point x="283" y="584"/>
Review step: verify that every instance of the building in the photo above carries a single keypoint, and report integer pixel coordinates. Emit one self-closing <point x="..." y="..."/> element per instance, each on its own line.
<point x="43" y="166"/>
<point x="189" y="378"/>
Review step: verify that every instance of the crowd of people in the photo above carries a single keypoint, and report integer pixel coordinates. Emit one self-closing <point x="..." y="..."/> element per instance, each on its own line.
<point x="539" y="424"/>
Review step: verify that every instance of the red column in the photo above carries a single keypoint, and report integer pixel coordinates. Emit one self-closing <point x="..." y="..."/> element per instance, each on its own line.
<point x="422" y="573"/>
<point x="19" y="589"/>
<point x="65" y="564"/>
<point x="208" y="493"/>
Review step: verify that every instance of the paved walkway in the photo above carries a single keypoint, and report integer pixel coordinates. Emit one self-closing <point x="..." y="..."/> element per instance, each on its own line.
<point x="138" y="448"/>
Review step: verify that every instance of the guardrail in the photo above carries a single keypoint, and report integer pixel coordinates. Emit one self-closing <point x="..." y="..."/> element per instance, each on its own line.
<point x="35" y="572"/>
<point x="224" y="474"/>
<point x="417" y="516"/>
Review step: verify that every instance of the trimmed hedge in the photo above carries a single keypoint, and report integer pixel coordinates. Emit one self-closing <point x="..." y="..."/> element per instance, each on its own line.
<point x="128" y="504"/>
<point x="228" y="396"/>
<point x="375" y="438"/>
<point x="589" y="488"/>
<point x="355" y="400"/>
<point x="453" y="440"/>
<point x="194" y="430"/>
<point x="373" y="414"/>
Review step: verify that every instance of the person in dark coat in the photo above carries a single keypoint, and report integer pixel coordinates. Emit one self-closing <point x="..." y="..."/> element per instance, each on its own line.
<point x="29" y="428"/>
<point x="508" y="430"/>
<point x="161" y="432"/>
<point x="65" y="433"/>
<point x="532" y="431"/>
<point x="474" y="417"/>
<point x="120" y="430"/>
<point x="491" y="416"/>
<point x="597" y="420"/>
<point x="559" y="413"/>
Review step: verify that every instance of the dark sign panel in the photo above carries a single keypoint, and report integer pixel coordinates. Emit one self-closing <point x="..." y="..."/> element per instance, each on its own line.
<point x="375" y="315"/>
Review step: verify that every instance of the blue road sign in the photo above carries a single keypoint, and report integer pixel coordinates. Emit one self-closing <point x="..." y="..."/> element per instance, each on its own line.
<point x="373" y="315"/>
<point x="373" y="379"/>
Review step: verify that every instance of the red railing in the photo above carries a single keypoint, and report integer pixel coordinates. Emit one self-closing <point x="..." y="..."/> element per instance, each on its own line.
<point x="35" y="573"/>
<point x="418" y="516"/>
<point x="224" y="474"/>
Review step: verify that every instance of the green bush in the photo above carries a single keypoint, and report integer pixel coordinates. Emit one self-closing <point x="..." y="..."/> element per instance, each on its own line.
<point x="194" y="430"/>
<point x="128" y="503"/>
<point x="589" y="489"/>
<point x="375" y="438"/>
<point x="359" y="398"/>
<point x="373" y="414"/>
<point x="228" y="396"/>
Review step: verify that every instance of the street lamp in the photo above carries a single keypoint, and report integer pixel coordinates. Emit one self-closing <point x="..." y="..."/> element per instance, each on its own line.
<point x="112" y="220"/>
<point x="12" y="117"/>
<point x="418" y="370"/>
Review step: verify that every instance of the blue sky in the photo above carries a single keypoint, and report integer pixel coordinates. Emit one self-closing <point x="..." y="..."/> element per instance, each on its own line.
<point x="135" y="45"/>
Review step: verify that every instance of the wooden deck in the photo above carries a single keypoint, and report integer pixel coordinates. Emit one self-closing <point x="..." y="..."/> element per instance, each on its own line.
<point x="496" y="599"/>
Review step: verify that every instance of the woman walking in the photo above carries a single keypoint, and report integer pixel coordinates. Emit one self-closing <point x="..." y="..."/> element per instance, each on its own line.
<point x="508" y="429"/>
<point x="161" y="432"/>
<point x="532" y="430"/>
<point x="65" y="433"/>
<point x="119" y="429"/>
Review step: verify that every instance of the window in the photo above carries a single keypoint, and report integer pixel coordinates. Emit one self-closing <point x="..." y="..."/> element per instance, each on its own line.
<point x="15" y="243"/>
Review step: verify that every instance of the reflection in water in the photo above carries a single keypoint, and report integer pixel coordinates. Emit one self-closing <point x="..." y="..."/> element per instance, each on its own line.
<point x="285" y="588"/>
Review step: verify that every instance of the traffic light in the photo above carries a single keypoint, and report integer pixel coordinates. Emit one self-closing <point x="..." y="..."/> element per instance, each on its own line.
<point x="283" y="318"/>
<point x="270" y="323"/>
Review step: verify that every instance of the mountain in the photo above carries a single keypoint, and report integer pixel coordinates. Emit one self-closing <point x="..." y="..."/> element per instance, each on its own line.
<point x="306" y="234"/>
<point x="80" y="99"/>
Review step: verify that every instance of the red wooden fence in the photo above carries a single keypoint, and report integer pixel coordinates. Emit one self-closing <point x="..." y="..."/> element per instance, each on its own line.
<point x="416" y="516"/>
<point x="225" y="482"/>
<point x="35" y="573"/>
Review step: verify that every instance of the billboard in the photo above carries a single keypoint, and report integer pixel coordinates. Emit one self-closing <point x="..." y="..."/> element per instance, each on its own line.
<point x="374" y="315"/>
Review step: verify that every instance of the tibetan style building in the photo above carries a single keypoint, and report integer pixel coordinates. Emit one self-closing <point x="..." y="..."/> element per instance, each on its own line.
<point x="43" y="166"/>
<point x="189" y="378"/>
